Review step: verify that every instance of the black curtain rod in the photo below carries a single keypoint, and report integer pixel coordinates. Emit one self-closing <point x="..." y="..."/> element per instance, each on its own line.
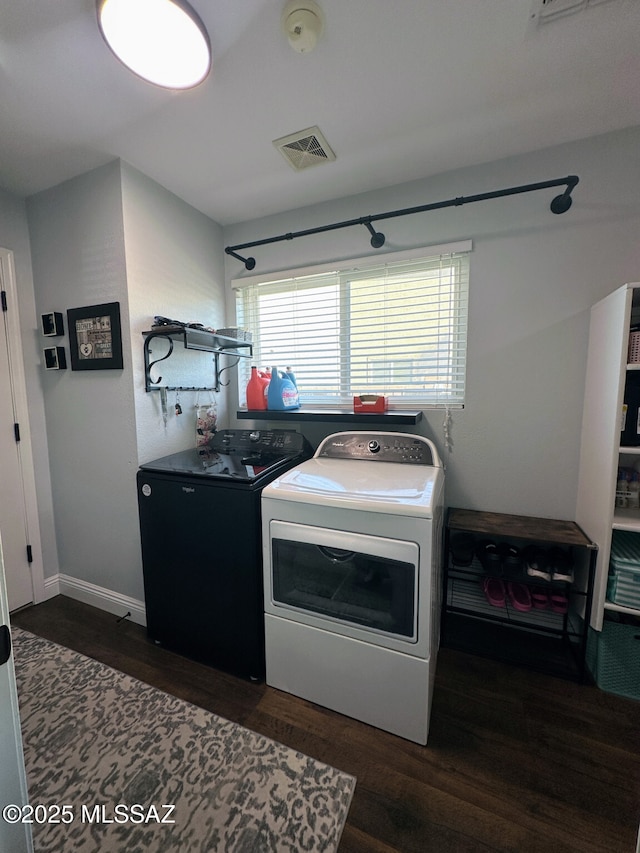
<point x="560" y="204"/>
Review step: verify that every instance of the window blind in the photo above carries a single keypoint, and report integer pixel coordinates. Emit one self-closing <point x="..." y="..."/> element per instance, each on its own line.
<point x="397" y="328"/>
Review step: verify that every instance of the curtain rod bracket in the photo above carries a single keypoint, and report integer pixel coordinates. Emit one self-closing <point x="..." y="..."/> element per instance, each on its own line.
<point x="249" y="263"/>
<point x="561" y="203"/>
<point x="377" y="238"/>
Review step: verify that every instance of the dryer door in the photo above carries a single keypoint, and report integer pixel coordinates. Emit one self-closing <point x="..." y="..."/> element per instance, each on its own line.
<point x="346" y="582"/>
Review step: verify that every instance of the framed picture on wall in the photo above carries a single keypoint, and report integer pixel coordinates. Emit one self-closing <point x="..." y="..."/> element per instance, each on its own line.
<point x="95" y="337"/>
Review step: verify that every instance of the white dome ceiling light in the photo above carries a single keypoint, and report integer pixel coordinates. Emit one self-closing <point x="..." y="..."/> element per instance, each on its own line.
<point x="303" y="24"/>
<point x="162" y="41"/>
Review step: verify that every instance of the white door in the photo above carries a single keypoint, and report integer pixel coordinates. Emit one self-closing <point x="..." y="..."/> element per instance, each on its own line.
<point x="14" y="835"/>
<point x="18" y="514"/>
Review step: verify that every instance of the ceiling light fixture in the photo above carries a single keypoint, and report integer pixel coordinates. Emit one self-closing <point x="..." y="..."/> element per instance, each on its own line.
<point x="162" y="41"/>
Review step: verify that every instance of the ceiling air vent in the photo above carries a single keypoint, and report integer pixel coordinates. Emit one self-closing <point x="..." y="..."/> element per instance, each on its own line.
<point x="305" y="148"/>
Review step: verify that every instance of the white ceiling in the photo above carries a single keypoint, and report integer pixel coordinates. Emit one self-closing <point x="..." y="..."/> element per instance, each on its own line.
<point x="401" y="89"/>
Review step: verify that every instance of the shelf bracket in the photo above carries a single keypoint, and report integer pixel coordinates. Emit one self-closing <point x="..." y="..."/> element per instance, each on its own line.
<point x="148" y="381"/>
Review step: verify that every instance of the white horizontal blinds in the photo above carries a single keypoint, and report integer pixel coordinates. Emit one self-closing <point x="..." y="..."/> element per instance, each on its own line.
<point x="296" y="323"/>
<point x="398" y="328"/>
<point x="406" y="336"/>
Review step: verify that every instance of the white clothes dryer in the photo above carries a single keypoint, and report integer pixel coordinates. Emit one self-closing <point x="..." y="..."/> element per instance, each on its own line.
<point x="352" y="543"/>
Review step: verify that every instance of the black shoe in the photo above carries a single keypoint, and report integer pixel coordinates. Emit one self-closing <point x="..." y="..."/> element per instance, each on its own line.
<point x="489" y="556"/>
<point x="536" y="562"/>
<point x="461" y="546"/>
<point x="560" y="565"/>
<point x="510" y="559"/>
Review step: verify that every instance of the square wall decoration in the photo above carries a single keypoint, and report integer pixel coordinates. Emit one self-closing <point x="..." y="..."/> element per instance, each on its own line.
<point x="52" y="325"/>
<point x="95" y="337"/>
<point x="54" y="358"/>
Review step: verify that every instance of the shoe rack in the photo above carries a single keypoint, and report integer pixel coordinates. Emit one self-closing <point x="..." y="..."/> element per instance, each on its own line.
<point x="540" y="638"/>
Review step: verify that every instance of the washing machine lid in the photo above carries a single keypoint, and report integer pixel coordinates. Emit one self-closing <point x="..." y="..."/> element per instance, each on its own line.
<point x="391" y="487"/>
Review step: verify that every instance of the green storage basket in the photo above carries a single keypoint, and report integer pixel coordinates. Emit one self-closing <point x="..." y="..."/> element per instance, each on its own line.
<point x="613" y="656"/>
<point x="623" y="586"/>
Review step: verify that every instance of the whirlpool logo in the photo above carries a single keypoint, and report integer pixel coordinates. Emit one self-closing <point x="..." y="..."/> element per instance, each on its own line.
<point x="188" y="490"/>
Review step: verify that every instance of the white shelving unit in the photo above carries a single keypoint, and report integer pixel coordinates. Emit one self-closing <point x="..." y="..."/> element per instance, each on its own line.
<point x="601" y="453"/>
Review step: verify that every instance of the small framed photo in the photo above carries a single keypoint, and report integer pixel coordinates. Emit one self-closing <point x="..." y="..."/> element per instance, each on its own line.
<point x="95" y="337"/>
<point x="52" y="325"/>
<point x="54" y="358"/>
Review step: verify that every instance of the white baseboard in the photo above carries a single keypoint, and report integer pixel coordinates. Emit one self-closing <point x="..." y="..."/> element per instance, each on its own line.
<point x="97" y="596"/>
<point x="51" y="588"/>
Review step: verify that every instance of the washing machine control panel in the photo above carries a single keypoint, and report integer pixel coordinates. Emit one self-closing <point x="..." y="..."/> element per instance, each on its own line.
<point x="379" y="447"/>
<point x="285" y="442"/>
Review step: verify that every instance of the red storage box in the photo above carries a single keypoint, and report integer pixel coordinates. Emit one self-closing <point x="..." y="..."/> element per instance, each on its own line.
<point x="372" y="404"/>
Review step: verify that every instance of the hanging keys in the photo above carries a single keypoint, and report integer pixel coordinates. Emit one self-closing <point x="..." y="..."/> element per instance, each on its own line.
<point x="178" y="406"/>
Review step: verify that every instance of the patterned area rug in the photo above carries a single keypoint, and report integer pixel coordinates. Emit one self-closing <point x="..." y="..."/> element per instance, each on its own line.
<point x="120" y="754"/>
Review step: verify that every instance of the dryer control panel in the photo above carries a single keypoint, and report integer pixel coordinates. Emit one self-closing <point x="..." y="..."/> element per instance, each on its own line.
<point x="380" y="447"/>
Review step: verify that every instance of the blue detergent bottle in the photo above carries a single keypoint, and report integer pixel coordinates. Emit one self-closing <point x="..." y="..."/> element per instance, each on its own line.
<point x="282" y="393"/>
<point x="290" y="375"/>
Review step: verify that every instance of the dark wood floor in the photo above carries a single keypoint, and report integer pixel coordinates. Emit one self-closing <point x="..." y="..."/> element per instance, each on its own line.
<point x="516" y="761"/>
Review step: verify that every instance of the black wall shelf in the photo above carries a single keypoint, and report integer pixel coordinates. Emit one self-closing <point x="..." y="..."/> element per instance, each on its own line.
<point x="196" y="339"/>
<point x="333" y="415"/>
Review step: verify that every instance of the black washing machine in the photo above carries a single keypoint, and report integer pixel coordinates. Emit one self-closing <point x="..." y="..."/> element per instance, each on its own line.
<point x="201" y="545"/>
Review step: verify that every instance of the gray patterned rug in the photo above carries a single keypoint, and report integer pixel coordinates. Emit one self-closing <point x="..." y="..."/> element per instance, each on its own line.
<point x="119" y="754"/>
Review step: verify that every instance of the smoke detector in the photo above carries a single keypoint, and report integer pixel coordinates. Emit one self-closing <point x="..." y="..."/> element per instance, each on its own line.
<point x="303" y="24"/>
<point x="305" y="148"/>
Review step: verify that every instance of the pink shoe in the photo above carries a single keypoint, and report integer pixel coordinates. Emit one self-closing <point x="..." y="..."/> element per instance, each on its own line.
<point x="494" y="591"/>
<point x="559" y="602"/>
<point x="520" y="596"/>
<point x="539" y="598"/>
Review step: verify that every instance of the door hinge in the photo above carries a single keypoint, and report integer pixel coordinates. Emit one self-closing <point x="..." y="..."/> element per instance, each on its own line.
<point x="16" y="432"/>
<point x="3" y="297"/>
<point x="5" y="644"/>
<point x="29" y="554"/>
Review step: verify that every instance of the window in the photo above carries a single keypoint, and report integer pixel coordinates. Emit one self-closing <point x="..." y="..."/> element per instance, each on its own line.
<point x="398" y="328"/>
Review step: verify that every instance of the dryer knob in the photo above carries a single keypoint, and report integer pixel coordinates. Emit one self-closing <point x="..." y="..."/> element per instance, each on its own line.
<point x="373" y="446"/>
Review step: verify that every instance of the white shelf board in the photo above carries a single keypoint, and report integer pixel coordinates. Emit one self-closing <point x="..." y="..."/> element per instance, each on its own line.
<point x="626" y="519"/>
<point x="619" y="608"/>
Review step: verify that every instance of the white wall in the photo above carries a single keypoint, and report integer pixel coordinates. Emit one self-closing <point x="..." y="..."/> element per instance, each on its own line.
<point x="113" y="235"/>
<point x="14" y="235"/>
<point x="534" y="277"/>
<point x="175" y="268"/>
<point x="78" y="259"/>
